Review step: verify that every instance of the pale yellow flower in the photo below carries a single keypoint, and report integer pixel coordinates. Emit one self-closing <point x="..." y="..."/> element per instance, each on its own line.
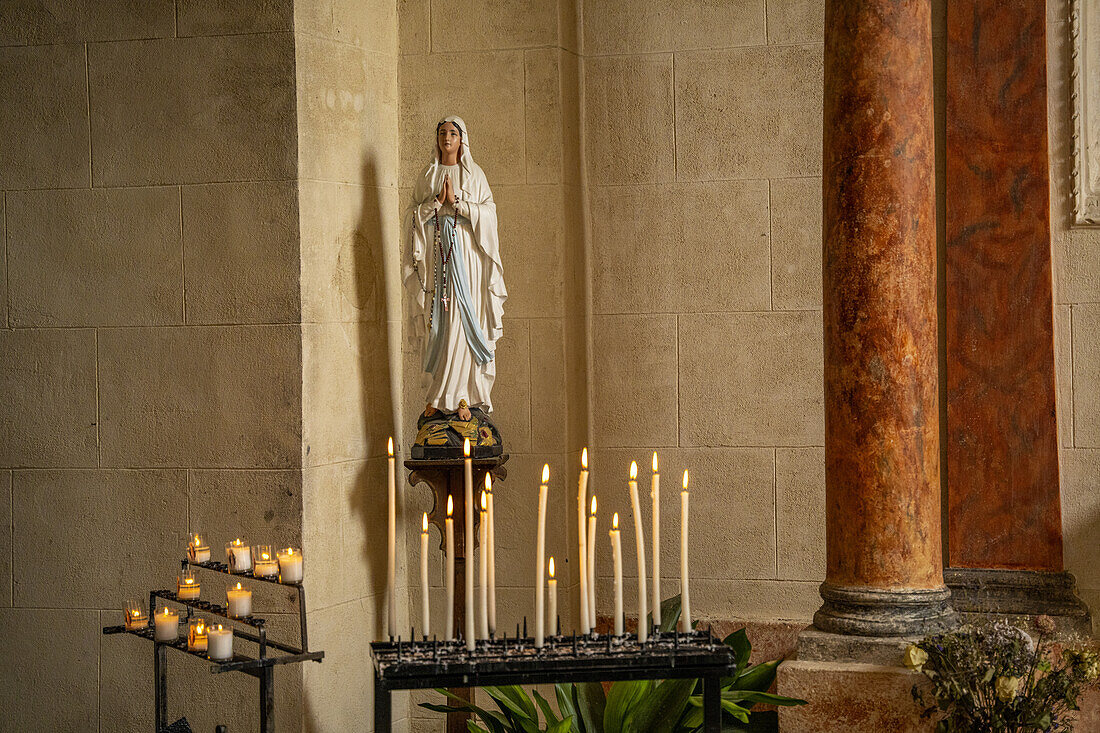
<point x="1007" y="687"/>
<point x="915" y="657"/>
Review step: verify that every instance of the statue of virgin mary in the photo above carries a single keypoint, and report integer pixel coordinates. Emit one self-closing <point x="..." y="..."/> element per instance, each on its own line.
<point x="457" y="281"/>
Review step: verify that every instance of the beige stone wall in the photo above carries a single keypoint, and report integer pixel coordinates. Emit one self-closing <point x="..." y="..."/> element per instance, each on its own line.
<point x="150" y="359"/>
<point x="703" y="149"/>
<point x="346" y="56"/>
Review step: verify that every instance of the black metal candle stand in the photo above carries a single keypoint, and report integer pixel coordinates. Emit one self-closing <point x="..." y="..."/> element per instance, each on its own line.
<point x="260" y="667"/>
<point x="424" y="663"/>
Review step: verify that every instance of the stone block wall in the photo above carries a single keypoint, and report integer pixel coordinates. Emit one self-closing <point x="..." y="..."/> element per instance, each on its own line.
<point x="703" y="150"/>
<point x="150" y="355"/>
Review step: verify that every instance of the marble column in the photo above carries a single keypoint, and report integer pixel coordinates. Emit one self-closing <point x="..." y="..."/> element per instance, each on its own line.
<point x="882" y="474"/>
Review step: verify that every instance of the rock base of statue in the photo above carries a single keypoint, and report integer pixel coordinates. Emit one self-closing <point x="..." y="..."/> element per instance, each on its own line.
<point x="441" y="436"/>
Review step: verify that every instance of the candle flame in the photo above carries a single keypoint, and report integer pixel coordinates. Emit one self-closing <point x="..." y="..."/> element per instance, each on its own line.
<point x="633" y="470"/>
<point x="237" y="541"/>
<point x="450" y="506"/>
<point x="217" y="628"/>
<point x="466" y="447"/>
<point x="238" y="585"/>
<point x="198" y="541"/>
<point x="200" y="628"/>
<point x="166" y="612"/>
<point x="265" y="556"/>
<point x="424" y="526"/>
<point x="584" y="459"/>
<point x="484" y="505"/>
<point x="488" y="482"/>
<point x="685" y="480"/>
<point x="593" y="505"/>
<point x="546" y="473"/>
<point x="389" y="447"/>
<point x="654" y="461"/>
<point x="551" y="568"/>
<point x="615" y="522"/>
<point x="188" y="581"/>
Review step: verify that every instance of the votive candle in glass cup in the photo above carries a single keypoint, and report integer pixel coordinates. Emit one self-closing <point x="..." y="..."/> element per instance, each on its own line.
<point x="240" y="602"/>
<point x="167" y="625"/>
<point x="265" y="564"/>
<point x="136" y="617"/>
<point x="219" y="643"/>
<point x="290" y="565"/>
<point x="187" y="586"/>
<point x="238" y="556"/>
<point x="197" y="549"/>
<point x="197" y="634"/>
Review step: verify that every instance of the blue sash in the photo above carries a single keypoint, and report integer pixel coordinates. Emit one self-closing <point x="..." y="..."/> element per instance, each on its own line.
<point x="459" y="285"/>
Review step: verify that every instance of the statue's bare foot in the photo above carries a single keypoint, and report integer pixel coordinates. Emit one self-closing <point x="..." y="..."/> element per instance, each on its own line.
<point x="464" y="414"/>
<point x="429" y="411"/>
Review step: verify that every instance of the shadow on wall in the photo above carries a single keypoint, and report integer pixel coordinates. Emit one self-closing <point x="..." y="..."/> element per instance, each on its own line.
<point x="344" y="696"/>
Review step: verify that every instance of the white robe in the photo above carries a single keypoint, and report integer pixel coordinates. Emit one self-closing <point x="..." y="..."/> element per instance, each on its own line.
<point x="458" y="376"/>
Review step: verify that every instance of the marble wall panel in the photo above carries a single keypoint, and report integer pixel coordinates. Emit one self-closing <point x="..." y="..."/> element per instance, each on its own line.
<point x="749" y="113"/>
<point x="215" y="396"/>
<point x="680" y="248"/>
<point x="193" y="110"/>
<point x="43" y="115"/>
<point x="752" y="379"/>
<point x="49" y="413"/>
<point x="95" y="257"/>
<point x="629" y="118"/>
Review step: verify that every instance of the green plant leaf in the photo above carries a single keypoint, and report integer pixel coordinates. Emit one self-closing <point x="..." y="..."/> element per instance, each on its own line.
<point x="623" y="695"/>
<point x="736" y="710"/>
<point x="564" y="693"/>
<point x="757" y="677"/>
<point x="658" y="711"/>
<point x="547" y="711"/>
<point x="766" y="698"/>
<point x="515" y="695"/>
<point x="742" y="648"/>
<point x="692" y="719"/>
<point x="474" y="727"/>
<point x="562" y="726"/>
<point x="591" y="706"/>
<point x="497" y="723"/>
<point x="670" y="614"/>
<point x="515" y="713"/>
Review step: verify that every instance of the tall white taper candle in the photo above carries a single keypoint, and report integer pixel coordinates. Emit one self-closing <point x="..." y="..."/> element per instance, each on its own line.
<point x="582" y="552"/>
<point x="685" y="595"/>
<point x="617" y="565"/>
<point x="469" y="517"/>
<point x="483" y="568"/>
<point x="552" y="606"/>
<point x="639" y="549"/>
<point x="425" y="615"/>
<point x="592" y="564"/>
<point x="540" y="562"/>
<point x="492" y="559"/>
<point x="391" y="560"/>
<point x="449" y="580"/>
<point x="655" y="497"/>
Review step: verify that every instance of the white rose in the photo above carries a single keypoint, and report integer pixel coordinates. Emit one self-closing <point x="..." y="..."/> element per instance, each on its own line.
<point x="1007" y="687"/>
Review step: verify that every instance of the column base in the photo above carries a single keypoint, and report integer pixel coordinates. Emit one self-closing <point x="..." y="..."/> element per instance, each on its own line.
<point x="1019" y="596"/>
<point x="875" y="612"/>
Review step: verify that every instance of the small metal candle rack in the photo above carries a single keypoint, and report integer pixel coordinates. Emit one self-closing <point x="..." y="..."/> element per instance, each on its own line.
<point x="261" y="667"/>
<point x="402" y="665"/>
